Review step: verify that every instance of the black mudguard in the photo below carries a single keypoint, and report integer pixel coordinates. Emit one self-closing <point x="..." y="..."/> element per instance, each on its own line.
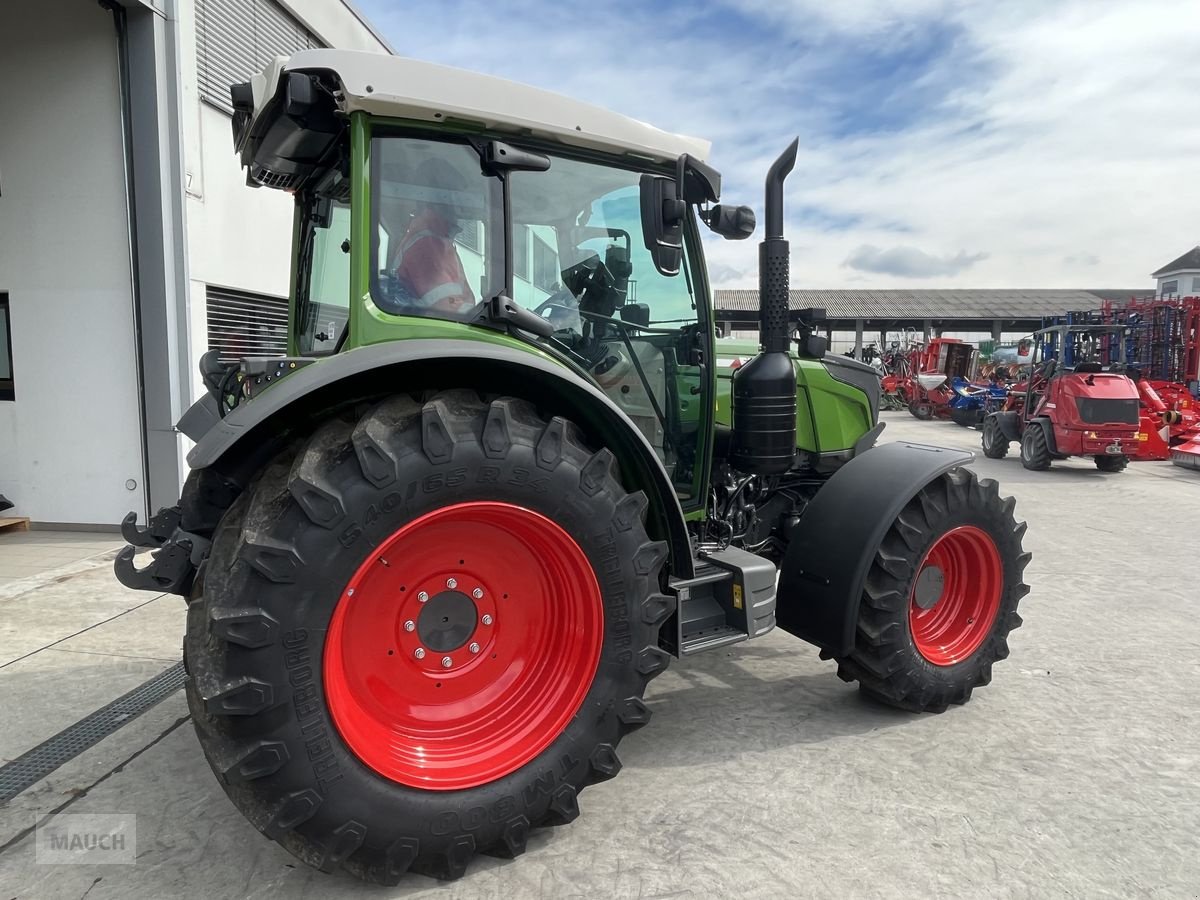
<point x="831" y="547"/>
<point x="1010" y="424"/>
<point x="238" y="444"/>
<point x="1048" y="429"/>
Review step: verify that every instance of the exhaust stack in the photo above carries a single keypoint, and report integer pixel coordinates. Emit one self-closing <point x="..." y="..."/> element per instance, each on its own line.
<point x="764" y="390"/>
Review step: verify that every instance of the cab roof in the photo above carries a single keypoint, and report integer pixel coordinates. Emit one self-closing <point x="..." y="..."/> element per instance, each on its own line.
<point x="403" y="88"/>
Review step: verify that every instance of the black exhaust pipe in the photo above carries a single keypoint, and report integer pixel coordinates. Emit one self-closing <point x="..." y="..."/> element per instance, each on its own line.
<point x="764" y="390"/>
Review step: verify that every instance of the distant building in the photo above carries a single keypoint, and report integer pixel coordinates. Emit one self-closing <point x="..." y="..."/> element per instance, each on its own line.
<point x="1180" y="277"/>
<point x="852" y="317"/>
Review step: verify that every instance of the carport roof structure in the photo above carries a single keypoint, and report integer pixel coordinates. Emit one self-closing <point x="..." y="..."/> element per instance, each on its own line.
<point x="952" y="307"/>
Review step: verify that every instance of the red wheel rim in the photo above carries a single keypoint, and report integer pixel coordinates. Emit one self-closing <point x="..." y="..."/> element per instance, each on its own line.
<point x="519" y="601"/>
<point x="956" y="595"/>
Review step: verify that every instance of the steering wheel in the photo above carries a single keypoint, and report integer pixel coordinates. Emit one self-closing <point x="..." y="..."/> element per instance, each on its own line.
<point x="562" y="310"/>
<point x="395" y="297"/>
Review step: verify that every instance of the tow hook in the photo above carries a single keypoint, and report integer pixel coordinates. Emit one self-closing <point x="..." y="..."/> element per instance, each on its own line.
<point x="173" y="565"/>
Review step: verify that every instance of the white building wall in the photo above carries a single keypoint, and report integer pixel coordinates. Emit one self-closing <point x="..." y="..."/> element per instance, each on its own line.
<point x="238" y="236"/>
<point x="1187" y="283"/>
<point x="71" y="439"/>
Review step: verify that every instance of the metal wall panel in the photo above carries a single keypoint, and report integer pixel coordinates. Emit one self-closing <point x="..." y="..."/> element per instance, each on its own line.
<point x="237" y="38"/>
<point x="244" y="324"/>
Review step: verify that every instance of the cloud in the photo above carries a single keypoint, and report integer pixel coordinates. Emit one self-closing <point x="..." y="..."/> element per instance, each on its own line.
<point x="1031" y="128"/>
<point x="909" y="262"/>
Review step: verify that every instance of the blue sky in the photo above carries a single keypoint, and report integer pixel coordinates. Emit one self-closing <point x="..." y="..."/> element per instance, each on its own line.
<point x="1010" y="143"/>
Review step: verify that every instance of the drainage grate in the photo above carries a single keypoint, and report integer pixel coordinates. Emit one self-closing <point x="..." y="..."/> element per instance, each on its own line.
<point x="30" y="768"/>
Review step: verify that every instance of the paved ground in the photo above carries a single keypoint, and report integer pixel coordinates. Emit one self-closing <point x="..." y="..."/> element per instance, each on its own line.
<point x="1075" y="774"/>
<point x="24" y="554"/>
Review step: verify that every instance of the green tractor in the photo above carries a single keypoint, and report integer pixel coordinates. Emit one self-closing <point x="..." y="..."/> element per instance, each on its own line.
<point x="433" y="556"/>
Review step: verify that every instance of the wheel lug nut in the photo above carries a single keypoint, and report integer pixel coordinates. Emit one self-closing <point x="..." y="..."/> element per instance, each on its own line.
<point x="452" y="583"/>
<point x="474" y="647"/>
<point x="447" y="662"/>
<point x="410" y="625"/>
<point x="422" y="596"/>
<point x="477" y="593"/>
<point x="486" y="620"/>
<point x="419" y="653"/>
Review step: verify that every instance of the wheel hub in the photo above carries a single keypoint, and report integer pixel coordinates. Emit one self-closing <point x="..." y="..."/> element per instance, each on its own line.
<point x="447" y="620"/>
<point x="929" y="587"/>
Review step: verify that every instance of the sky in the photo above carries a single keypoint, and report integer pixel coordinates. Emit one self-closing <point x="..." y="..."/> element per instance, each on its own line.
<point x="943" y="143"/>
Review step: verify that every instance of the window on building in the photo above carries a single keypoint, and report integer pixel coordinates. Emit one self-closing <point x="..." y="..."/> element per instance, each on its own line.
<point x="468" y="236"/>
<point x="6" y="365"/>
<point x="545" y="265"/>
<point x="237" y="38"/>
<point x="244" y="324"/>
<point x="1169" y="287"/>
<point x="1195" y="285"/>
<point x="521" y="252"/>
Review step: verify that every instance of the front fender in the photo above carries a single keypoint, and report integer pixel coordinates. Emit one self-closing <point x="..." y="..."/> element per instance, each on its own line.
<point x="239" y="444"/>
<point x="830" y="549"/>
<point x="1010" y="424"/>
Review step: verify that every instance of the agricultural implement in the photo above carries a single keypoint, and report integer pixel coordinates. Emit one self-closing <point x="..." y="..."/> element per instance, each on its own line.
<point x="1161" y="344"/>
<point x="1073" y="403"/>
<point x="971" y="402"/>
<point x="934" y="369"/>
<point x="433" y="556"/>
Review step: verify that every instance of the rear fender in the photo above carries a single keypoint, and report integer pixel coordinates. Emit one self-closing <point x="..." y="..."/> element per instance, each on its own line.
<point x="832" y="546"/>
<point x="1048" y="429"/>
<point x="238" y="445"/>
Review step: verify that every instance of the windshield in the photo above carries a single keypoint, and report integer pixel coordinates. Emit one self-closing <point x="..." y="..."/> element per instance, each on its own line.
<point x="578" y="249"/>
<point x="579" y="260"/>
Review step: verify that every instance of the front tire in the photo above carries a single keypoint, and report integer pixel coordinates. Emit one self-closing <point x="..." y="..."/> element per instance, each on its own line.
<point x="995" y="444"/>
<point x="941" y="596"/>
<point x="1111" y="463"/>
<point x="921" y="410"/>
<point x="1035" y="453"/>
<point x="358" y="725"/>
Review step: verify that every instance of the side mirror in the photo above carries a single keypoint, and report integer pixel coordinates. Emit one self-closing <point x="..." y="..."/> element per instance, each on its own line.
<point x="663" y="212"/>
<point x="734" y="223"/>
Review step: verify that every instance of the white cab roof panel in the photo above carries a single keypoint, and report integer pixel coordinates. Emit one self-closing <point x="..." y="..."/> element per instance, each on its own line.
<point x="411" y="89"/>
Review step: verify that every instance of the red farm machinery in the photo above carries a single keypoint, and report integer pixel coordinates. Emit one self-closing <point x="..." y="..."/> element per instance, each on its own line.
<point x="1073" y="403"/>
<point x="1161" y="346"/>
<point x="921" y="378"/>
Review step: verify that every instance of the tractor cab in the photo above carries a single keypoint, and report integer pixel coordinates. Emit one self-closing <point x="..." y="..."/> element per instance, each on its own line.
<point x="541" y="222"/>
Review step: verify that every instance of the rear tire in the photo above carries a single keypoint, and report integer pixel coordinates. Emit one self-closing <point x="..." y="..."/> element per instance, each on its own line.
<point x="940" y="596"/>
<point x="1111" y="463"/>
<point x="1035" y="454"/>
<point x="287" y="675"/>
<point x="995" y="444"/>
